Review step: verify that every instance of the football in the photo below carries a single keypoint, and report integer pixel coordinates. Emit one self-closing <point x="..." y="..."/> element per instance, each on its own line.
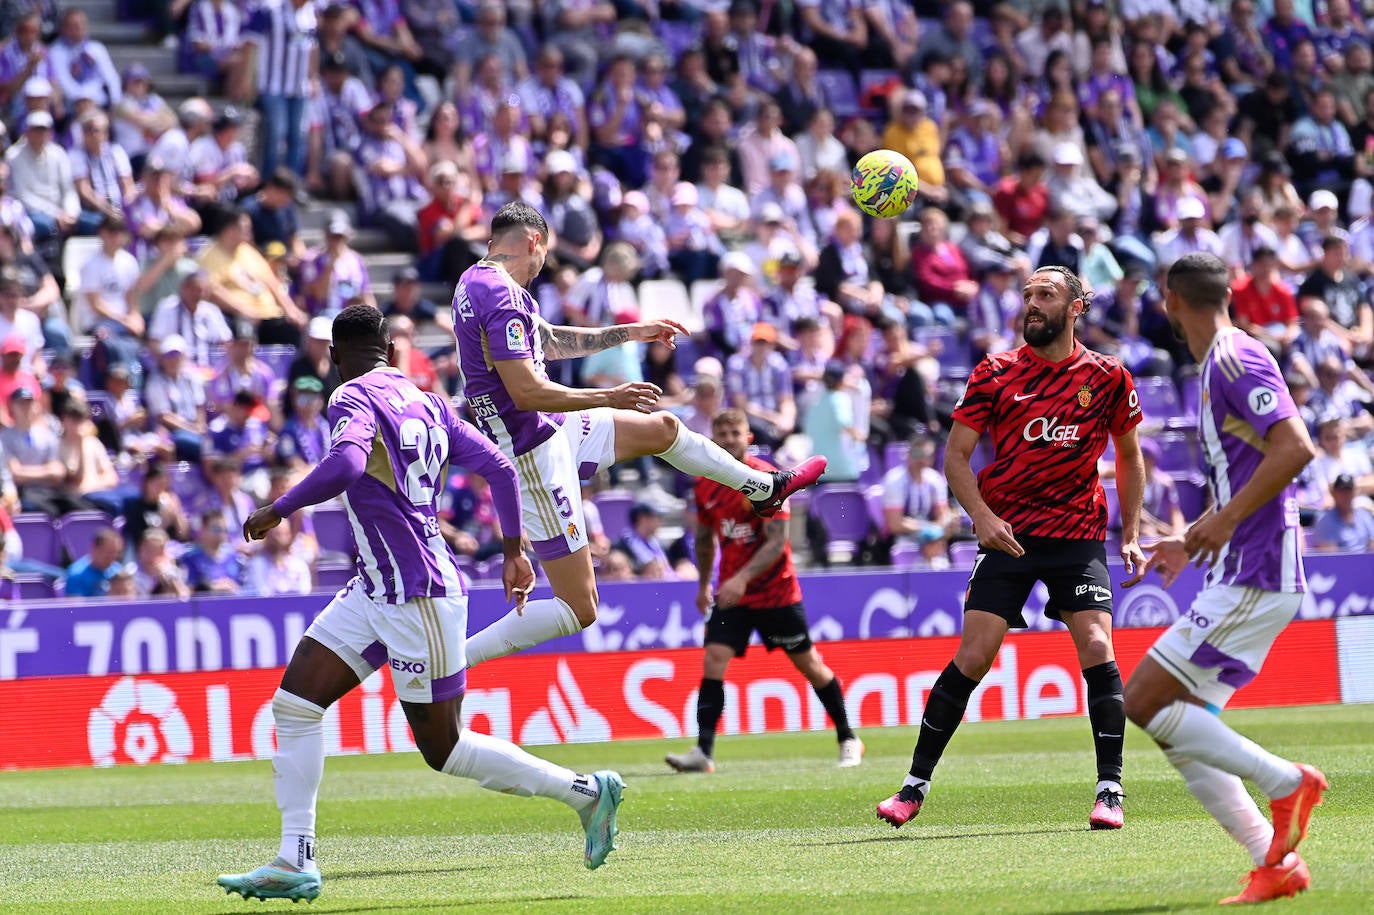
<point x="884" y="183"/>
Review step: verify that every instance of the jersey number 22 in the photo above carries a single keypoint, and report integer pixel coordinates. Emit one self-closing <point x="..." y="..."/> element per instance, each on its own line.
<point x="430" y="445"/>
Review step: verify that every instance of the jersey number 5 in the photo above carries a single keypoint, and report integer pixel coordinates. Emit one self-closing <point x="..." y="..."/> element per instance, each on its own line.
<point x="430" y="445"/>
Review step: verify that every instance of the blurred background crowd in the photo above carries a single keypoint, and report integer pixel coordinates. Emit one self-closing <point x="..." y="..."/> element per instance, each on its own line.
<point x="191" y="189"/>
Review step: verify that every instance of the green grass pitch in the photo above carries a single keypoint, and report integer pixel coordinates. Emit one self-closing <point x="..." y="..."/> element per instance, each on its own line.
<point x="777" y="829"/>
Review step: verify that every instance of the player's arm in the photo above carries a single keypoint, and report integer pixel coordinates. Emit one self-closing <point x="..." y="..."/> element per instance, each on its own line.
<point x="340" y="469"/>
<point x="992" y="531"/>
<point x="531" y="391"/>
<point x="1288" y="449"/>
<point x="1130" y="493"/>
<point x="473" y="451"/>
<point x="772" y="539"/>
<point x="563" y="342"/>
<point x="704" y="546"/>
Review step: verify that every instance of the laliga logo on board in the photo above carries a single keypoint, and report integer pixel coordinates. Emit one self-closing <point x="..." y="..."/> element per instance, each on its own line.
<point x="138" y="721"/>
<point x="1047" y="429"/>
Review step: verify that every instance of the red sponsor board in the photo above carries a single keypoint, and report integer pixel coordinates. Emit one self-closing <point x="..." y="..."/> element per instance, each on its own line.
<point x="540" y="699"/>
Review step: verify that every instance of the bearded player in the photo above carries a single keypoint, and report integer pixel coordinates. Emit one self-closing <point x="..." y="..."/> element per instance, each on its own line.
<point x="1255" y="444"/>
<point x="758" y="592"/>
<point x="406" y="608"/>
<point x="1040" y="514"/>
<point x="558" y="436"/>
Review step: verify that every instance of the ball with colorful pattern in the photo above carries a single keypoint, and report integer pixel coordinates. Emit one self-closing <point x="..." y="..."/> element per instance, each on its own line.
<point x="884" y="183"/>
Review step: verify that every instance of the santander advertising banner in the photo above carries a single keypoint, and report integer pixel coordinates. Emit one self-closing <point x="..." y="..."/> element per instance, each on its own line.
<point x="140" y="719"/>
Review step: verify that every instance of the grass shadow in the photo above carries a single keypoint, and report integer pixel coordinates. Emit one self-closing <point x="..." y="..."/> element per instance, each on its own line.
<point x="925" y="837"/>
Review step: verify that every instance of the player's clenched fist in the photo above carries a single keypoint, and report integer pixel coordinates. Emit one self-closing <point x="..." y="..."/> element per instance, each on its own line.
<point x="260" y="522"/>
<point x="635" y="395"/>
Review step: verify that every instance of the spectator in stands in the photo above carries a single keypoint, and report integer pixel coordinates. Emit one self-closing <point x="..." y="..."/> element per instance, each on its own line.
<point x="213" y="565"/>
<point x="13" y="375"/>
<point x="226" y="496"/>
<point x="90" y="575"/>
<point x="236" y="433"/>
<point x="411" y="360"/>
<point x="451" y="225"/>
<point x="218" y="162"/>
<point x="759" y="382"/>
<point x="175" y="396"/>
<point x="694" y="249"/>
<point x="490" y="37"/>
<point x="835" y="427"/>
<point x="943" y="279"/>
<point x="272" y="212"/>
<point x="604" y="295"/>
<point x="335" y="133"/>
<point x="759" y="142"/>
<point x="214" y="32"/>
<point x="284" y="31"/>
<point x="976" y="152"/>
<point x="157" y="206"/>
<point x="1317" y="340"/>
<point x="1321" y="152"/>
<point x="1345" y="294"/>
<point x="1337" y="455"/>
<point x="155" y="507"/>
<point x="1072" y="187"/>
<point x="22" y="57"/>
<point x="337" y="275"/>
<point x="275" y="569"/>
<point x="304" y="439"/>
<point x="313" y="361"/>
<point x="409" y="301"/>
<point x="707" y="400"/>
<point x="645" y="234"/>
<point x="842" y="274"/>
<point x="735" y="307"/>
<point x="616" y="567"/>
<point x="1192" y="234"/>
<point x="392" y="171"/>
<point x="124" y="428"/>
<point x="60" y="386"/>
<point x="244" y="284"/>
<point x="1161" y="515"/>
<point x="577" y="237"/>
<point x="1342" y="392"/>
<point x="190" y="316"/>
<point x="101" y="172"/>
<point x="467" y="517"/>
<point x="617" y="116"/>
<point x="836" y="30"/>
<point x="1242" y="238"/>
<point x="90" y="474"/>
<point x="640" y="543"/>
<point x="82" y="65"/>
<point x="41" y="176"/>
<point x="173" y="145"/>
<point x="1344" y="527"/>
<point x="916" y="135"/>
<point x="1021" y="198"/>
<point x="1262" y="303"/>
<point x="242" y="371"/>
<point x="18" y="322"/>
<point x="548" y="92"/>
<point x="993" y="315"/>
<point x="156" y="573"/>
<point x="30" y="447"/>
<point x="916" y="506"/>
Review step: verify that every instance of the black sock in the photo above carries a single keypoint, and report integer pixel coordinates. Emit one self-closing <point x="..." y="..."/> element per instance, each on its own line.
<point x="710" y="704"/>
<point x="832" y="697"/>
<point x="1107" y="715"/>
<point x="944" y="710"/>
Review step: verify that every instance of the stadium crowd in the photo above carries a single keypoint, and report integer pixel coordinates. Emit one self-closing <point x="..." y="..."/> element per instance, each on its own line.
<point x="691" y="157"/>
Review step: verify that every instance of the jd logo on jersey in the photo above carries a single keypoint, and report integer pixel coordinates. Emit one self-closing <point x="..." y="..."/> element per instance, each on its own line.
<point x="1047" y="429"/>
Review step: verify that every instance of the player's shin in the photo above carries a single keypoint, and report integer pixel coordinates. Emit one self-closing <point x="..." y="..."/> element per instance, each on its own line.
<point x="297" y="767"/>
<point x="710" y="705"/>
<point x="1223" y="795"/>
<point x="1197" y="733"/>
<point x="1107" y="715"/>
<point x="696" y="455"/>
<point x="541" y="621"/>
<point x="500" y="766"/>
<point x="832" y="697"/>
<point x="943" y="712"/>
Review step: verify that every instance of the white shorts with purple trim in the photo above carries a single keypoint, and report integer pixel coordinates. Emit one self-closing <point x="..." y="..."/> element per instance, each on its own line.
<point x="423" y="641"/>
<point x="1220" y="644"/>
<point x="551" y="476"/>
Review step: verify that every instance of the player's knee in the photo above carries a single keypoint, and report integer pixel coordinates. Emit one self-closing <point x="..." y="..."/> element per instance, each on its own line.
<point x="436" y="754"/>
<point x="1140" y="706"/>
<point x="584" y="608"/>
<point x="666" y="430"/>
<point x="1096" y="649"/>
<point x="974" y="661"/>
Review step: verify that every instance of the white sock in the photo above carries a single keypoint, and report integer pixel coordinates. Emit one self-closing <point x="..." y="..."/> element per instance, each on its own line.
<point x="1113" y="787"/>
<point x="543" y="620"/>
<point x="501" y="766"/>
<point x="1197" y="733"/>
<point x="1225" y="798"/>
<point x="920" y="784"/>
<point x="297" y="767"/>
<point x="696" y="455"/>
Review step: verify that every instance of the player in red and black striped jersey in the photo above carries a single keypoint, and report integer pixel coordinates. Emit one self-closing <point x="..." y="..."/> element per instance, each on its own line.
<point x="758" y="592"/>
<point x="1040" y="514"/>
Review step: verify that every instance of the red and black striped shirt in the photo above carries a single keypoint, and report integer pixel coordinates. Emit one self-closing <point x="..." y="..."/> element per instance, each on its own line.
<point x="740" y="532"/>
<point x="1049" y="423"/>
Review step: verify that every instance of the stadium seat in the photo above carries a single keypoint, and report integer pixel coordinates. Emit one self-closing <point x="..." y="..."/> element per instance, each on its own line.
<point x="962" y="553"/>
<point x="840" y="91"/>
<point x="187" y="482"/>
<point x="1191" y="395"/>
<point x="331" y="576"/>
<point x="1192" y="494"/>
<point x="1178" y="452"/>
<point x="38" y="533"/>
<point x="334" y="532"/>
<point x="702" y="291"/>
<point x="905" y="555"/>
<point x="34" y="587"/>
<point x="77" y="532"/>
<point x="873" y="500"/>
<point x="278" y="359"/>
<point x="668" y="300"/>
<point x="1113" y="505"/>
<point x="843" y="511"/>
<point x="1159" y="399"/>
<point x="615" y="506"/>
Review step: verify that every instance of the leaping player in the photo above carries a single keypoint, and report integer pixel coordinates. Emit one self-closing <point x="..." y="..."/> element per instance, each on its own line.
<point x="557" y="436"/>
<point x="1255" y="444"/>
<point x="406" y="607"/>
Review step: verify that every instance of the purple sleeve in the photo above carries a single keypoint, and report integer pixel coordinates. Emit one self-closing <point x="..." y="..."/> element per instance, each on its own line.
<point x="509" y="331"/>
<point x="1258" y="395"/>
<point x="339" y="470"/>
<point x="469" y="449"/>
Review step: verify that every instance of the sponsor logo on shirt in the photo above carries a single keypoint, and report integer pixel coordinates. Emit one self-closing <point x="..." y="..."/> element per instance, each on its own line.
<point x="1047" y="429"/>
<point x="1263" y="400"/>
<point x="515" y="334"/>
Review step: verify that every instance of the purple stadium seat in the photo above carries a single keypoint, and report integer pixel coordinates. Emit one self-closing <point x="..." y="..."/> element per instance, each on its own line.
<point x="615" y="506"/>
<point x="34" y="587"/>
<point x="873" y="500"/>
<point x="844" y="512"/>
<point x="1178" y="452"/>
<point x="187" y="482"/>
<point x="1159" y="399"/>
<point x="333" y="531"/>
<point x="1113" y="505"/>
<point x="77" y="531"/>
<point x="331" y="576"/>
<point x="905" y="555"/>
<point x="38" y="533"/>
<point x="1191" y="391"/>
<point x="962" y="553"/>
<point x="840" y="91"/>
<point x="489" y="569"/>
<point x="278" y="358"/>
<point x="1192" y="494"/>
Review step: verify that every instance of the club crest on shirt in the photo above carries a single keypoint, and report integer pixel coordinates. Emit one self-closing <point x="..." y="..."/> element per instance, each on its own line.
<point x="515" y="334"/>
<point x="1085" y="396"/>
<point x="572" y="531"/>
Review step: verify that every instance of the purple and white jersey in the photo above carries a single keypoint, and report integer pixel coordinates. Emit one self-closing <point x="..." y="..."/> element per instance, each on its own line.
<point x="409" y="436"/>
<point x="1243" y="395"/>
<point x="495" y="318"/>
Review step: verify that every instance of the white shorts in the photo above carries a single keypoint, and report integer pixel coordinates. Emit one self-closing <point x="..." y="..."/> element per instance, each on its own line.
<point x="1220" y="644"/>
<point x="551" y="476"/>
<point x="424" y="641"/>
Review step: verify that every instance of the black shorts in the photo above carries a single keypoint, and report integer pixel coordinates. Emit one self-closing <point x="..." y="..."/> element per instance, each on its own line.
<point x="779" y="627"/>
<point x="1074" y="571"/>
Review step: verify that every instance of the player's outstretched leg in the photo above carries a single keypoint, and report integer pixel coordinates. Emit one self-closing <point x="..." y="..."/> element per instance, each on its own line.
<point x="943" y="712"/>
<point x="572" y="609"/>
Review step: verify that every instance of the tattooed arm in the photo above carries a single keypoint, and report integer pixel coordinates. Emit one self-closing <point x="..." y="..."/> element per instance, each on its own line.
<point x="562" y="342"/>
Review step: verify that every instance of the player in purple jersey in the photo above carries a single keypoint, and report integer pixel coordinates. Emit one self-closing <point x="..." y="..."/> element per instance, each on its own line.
<point x="1256" y="444"/>
<point x="406" y="609"/>
<point x="558" y="436"/>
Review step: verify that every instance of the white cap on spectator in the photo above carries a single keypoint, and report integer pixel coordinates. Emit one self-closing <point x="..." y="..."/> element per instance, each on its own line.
<point x="637" y="199"/>
<point x="1323" y="200"/>
<point x="174" y="345"/>
<point x="38" y="119"/>
<point x="320" y="328"/>
<point x="1191" y="208"/>
<point x="514" y="162"/>
<point x="37" y="87"/>
<point x="685" y="194"/>
<point x="560" y="162"/>
<point x="737" y="260"/>
<point x="1068" y="154"/>
<point x="771" y="212"/>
